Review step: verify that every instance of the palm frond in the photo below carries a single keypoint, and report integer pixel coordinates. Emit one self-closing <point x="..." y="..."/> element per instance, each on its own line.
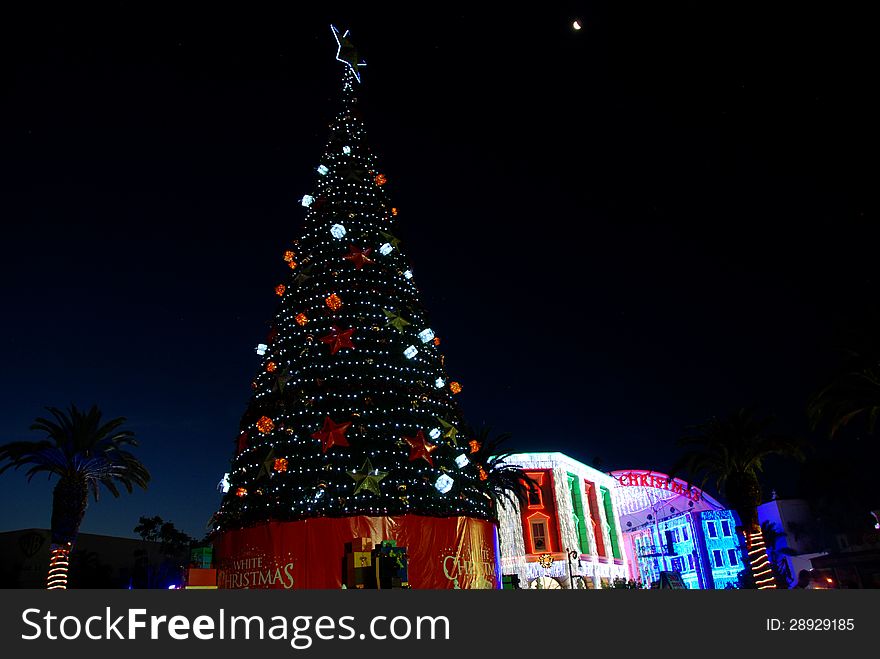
<point x="78" y="444"/>
<point x="732" y="448"/>
<point x="852" y="393"/>
<point x="505" y="483"/>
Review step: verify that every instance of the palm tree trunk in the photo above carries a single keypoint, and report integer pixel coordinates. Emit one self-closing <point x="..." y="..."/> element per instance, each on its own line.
<point x="744" y="495"/>
<point x="759" y="563"/>
<point x="69" y="501"/>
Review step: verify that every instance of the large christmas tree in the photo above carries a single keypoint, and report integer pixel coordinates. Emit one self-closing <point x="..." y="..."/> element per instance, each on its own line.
<point x="353" y="413"/>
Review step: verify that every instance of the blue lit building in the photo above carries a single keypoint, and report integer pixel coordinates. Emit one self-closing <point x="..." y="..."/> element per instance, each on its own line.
<point x="582" y="528"/>
<point x="671" y="526"/>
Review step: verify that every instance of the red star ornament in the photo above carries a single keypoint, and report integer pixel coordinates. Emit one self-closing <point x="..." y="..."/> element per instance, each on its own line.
<point x="360" y="257"/>
<point x="338" y="339"/>
<point x="420" y="448"/>
<point x="332" y="434"/>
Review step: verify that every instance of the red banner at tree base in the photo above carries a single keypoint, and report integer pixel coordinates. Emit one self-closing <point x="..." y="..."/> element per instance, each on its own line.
<point x="443" y="552"/>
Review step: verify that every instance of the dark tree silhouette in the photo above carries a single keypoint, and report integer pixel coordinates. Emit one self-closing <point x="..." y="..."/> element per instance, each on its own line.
<point x="731" y="451"/>
<point x="854" y="392"/>
<point x="169" y="562"/>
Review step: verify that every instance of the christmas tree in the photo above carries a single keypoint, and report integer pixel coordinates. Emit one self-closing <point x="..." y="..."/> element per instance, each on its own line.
<point x="353" y="412"/>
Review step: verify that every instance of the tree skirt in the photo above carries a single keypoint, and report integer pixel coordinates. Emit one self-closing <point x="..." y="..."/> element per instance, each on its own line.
<point x="443" y="552"/>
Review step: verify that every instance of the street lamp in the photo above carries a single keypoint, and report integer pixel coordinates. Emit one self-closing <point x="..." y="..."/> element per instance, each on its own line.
<point x="572" y="555"/>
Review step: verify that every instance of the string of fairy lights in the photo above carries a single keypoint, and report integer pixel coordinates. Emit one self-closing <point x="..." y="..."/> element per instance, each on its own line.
<point x="759" y="563"/>
<point x="353" y="412"/>
<point x="59" y="562"/>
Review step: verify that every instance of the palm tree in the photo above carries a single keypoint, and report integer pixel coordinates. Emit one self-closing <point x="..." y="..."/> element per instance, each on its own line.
<point x="84" y="454"/>
<point x="732" y="452"/>
<point x="854" y="392"/>
<point x="503" y="482"/>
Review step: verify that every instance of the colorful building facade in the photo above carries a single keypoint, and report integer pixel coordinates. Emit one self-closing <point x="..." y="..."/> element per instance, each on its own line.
<point x="568" y="534"/>
<point x="583" y="528"/>
<point x="671" y="526"/>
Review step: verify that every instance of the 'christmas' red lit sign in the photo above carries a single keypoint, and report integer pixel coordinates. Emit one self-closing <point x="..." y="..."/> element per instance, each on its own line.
<point x="657" y="480"/>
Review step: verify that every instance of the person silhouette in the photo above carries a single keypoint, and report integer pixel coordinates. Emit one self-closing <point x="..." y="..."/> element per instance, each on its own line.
<point x="804" y="579"/>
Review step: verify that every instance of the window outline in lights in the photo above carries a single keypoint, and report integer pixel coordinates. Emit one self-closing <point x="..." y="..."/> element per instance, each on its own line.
<point x="732" y="557"/>
<point x="536" y="488"/>
<point x="543" y="519"/>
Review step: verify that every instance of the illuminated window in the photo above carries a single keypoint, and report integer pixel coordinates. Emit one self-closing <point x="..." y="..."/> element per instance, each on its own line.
<point x="676" y="565"/>
<point x="684" y="534"/>
<point x="540" y="541"/>
<point x="725" y="527"/>
<point x="731" y="556"/>
<point x="713" y="532"/>
<point x="690" y="562"/>
<point x="716" y="555"/>
<point x="534" y="496"/>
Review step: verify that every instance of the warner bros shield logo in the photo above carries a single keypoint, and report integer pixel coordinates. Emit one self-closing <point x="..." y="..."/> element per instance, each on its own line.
<point x="30" y="543"/>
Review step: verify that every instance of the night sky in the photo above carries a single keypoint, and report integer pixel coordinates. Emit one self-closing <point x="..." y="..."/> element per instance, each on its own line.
<point x="618" y="232"/>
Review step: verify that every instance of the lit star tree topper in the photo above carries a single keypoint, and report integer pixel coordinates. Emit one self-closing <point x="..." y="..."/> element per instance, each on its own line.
<point x="332" y="434"/>
<point x="368" y="478"/>
<point x="346" y="52"/>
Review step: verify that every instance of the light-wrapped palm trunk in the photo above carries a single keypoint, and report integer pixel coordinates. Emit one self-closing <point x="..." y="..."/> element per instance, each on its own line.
<point x="744" y="494"/>
<point x="759" y="563"/>
<point x="69" y="501"/>
<point x="59" y="564"/>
